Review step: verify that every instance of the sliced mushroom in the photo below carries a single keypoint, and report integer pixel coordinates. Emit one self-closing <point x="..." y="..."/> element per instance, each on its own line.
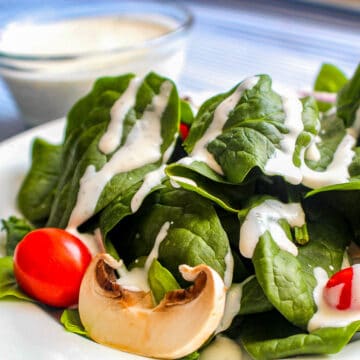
<point x="127" y="320"/>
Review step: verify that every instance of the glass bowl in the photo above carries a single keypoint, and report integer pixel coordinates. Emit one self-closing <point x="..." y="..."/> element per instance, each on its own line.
<point x="51" y="57"/>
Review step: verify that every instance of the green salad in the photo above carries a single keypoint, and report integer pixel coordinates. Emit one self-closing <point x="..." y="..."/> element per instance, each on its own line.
<point x="242" y="228"/>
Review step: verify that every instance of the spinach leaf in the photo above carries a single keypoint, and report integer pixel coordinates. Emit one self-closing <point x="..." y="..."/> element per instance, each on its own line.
<point x="250" y="134"/>
<point x="187" y="115"/>
<point x="37" y="191"/>
<point x="115" y="212"/>
<point x="329" y="79"/>
<point x="310" y="121"/>
<point x="88" y="121"/>
<point x="195" y="235"/>
<point x="193" y="356"/>
<point x="280" y="275"/>
<point x="70" y="318"/>
<point x="287" y="280"/>
<point x="226" y="195"/>
<point x="348" y="100"/>
<point x="15" y="229"/>
<point x="161" y="281"/>
<point x="92" y="107"/>
<point x="8" y="284"/>
<point x="344" y="198"/>
<point x="253" y="299"/>
<point x="271" y="336"/>
<point x="66" y="196"/>
<point x="330" y="135"/>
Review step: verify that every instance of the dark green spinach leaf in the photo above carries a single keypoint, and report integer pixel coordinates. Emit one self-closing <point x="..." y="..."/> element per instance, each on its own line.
<point x="15" y="229"/>
<point x="8" y="285"/>
<point x="329" y="79"/>
<point x="37" y="191"/>
<point x="271" y="336"/>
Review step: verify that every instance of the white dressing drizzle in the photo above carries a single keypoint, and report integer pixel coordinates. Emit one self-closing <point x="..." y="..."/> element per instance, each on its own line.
<point x="112" y="137"/>
<point x="229" y="268"/>
<point x="221" y="115"/>
<point x="312" y="152"/>
<point x="151" y="179"/>
<point x="88" y="239"/>
<point x="281" y="161"/>
<point x="136" y="279"/>
<point x="265" y="217"/>
<point x="232" y="305"/>
<point x="337" y="171"/>
<point x="222" y="348"/>
<point x="175" y="180"/>
<point x="168" y="152"/>
<point x="100" y="34"/>
<point x="326" y="315"/>
<point x="147" y="132"/>
<point x="186" y="161"/>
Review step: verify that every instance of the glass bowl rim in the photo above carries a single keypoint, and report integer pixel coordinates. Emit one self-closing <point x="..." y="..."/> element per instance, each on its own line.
<point x="182" y="26"/>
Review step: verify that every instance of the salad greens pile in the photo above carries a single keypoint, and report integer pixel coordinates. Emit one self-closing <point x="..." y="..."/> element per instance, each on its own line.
<point x="209" y="188"/>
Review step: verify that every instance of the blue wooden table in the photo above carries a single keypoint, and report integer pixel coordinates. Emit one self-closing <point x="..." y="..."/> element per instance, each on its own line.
<point x="234" y="39"/>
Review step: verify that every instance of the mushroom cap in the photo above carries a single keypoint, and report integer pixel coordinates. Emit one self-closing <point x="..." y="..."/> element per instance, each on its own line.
<point x="127" y="320"/>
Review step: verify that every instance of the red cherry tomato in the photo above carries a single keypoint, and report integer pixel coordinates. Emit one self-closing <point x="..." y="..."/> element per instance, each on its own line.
<point x="338" y="290"/>
<point x="184" y="131"/>
<point x="49" y="265"/>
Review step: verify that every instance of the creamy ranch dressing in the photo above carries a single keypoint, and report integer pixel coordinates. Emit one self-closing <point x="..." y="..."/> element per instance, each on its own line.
<point x="265" y="217"/>
<point x="229" y="268"/>
<point x="337" y="171"/>
<point x="175" y="180"/>
<point x="326" y="315"/>
<point x="136" y="279"/>
<point x="94" y="41"/>
<point x="89" y="240"/>
<point x="221" y="115"/>
<point x="312" y="152"/>
<point x="281" y="161"/>
<point x="146" y="131"/>
<point x="186" y="161"/>
<point x="222" y="348"/>
<point x="151" y="179"/>
<point x="112" y="137"/>
<point x="232" y="305"/>
<point x="92" y="34"/>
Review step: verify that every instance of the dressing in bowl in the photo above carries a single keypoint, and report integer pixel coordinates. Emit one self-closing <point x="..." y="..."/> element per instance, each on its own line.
<point x="50" y="59"/>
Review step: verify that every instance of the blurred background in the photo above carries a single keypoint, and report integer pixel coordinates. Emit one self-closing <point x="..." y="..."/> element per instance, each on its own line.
<point x="232" y="39"/>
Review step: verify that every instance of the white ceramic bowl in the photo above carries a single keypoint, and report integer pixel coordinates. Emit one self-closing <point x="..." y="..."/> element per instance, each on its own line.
<point x="50" y="58"/>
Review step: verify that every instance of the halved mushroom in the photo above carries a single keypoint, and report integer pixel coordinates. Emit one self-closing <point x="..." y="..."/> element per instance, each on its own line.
<point x="127" y="320"/>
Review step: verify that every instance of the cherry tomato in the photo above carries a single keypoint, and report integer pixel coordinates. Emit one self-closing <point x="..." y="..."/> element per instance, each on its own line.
<point x="339" y="288"/>
<point x="184" y="131"/>
<point x="49" y="265"/>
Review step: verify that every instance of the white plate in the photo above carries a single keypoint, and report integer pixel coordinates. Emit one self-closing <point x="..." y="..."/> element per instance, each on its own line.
<point x="26" y="330"/>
